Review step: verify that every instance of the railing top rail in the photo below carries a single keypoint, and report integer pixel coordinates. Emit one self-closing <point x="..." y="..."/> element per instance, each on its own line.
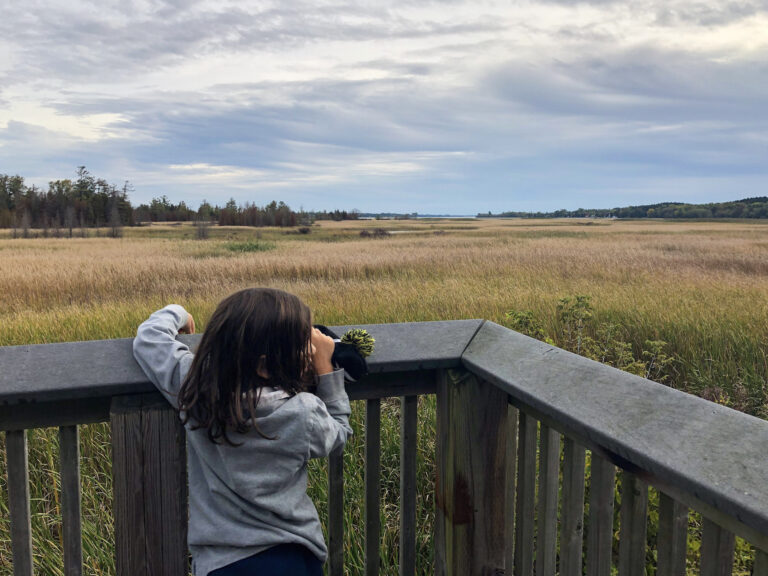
<point x="671" y="438"/>
<point x="105" y="368"/>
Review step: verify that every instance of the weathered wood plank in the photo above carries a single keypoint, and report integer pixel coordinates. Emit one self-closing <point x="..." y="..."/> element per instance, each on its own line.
<point x="174" y="492"/>
<point x="49" y="414"/>
<point x="716" y="550"/>
<point x="442" y="462"/>
<point x="128" y="487"/>
<point x="760" y="567"/>
<point x="150" y="503"/>
<point x="572" y="526"/>
<point x="106" y="368"/>
<point x="417" y="345"/>
<point x="336" y="512"/>
<point x="408" y="438"/>
<point x="549" y="475"/>
<point x="656" y="429"/>
<point x="372" y="486"/>
<point x="600" y="531"/>
<point x="471" y="450"/>
<point x="18" y="501"/>
<point x="153" y="498"/>
<point x="634" y="508"/>
<point x="69" y="455"/>
<point x="526" y="494"/>
<point x="511" y="474"/>
<point x="672" y="539"/>
<point x="391" y="384"/>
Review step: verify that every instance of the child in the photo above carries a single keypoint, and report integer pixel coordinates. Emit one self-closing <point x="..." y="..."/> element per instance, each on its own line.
<point x="251" y="428"/>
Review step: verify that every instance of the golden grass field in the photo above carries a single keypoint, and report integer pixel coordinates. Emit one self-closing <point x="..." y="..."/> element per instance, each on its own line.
<point x="700" y="286"/>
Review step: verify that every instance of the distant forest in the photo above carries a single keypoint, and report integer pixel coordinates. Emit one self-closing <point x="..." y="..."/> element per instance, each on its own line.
<point x="747" y="208"/>
<point x="87" y="202"/>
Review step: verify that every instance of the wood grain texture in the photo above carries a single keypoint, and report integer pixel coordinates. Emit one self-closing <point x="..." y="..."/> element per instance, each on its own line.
<point x="510" y="492"/>
<point x="572" y="525"/>
<point x="128" y="491"/>
<point x="716" y="550"/>
<point x="106" y="368"/>
<point x="408" y="439"/>
<point x="672" y="539"/>
<point x="336" y="512"/>
<point x="69" y="455"/>
<point x="372" y="486"/>
<point x="601" y="502"/>
<point x="526" y="494"/>
<point x="18" y="501"/>
<point x="150" y="487"/>
<point x="649" y="427"/>
<point x="549" y="474"/>
<point x="634" y="508"/>
<point x="471" y="450"/>
<point x="760" y="567"/>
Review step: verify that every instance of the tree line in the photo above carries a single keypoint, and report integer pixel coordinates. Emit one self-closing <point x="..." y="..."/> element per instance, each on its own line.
<point x="747" y="208"/>
<point x="87" y="201"/>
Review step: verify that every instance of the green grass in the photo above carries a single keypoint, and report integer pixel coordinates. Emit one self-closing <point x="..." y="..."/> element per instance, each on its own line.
<point x="700" y="287"/>
<point x="249" y="246"/>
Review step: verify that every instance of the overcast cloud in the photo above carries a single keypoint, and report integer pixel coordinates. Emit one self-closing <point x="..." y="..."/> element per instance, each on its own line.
<point x="450" y="107"/>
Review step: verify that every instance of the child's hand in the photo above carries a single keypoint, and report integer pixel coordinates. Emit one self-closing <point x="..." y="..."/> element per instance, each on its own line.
<point x="322" y="351"/>
<point x="189" y="327"/>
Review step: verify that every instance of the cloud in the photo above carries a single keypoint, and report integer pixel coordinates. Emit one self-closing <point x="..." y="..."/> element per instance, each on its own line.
<point x="413" y="103"/>
<point x="709" y="14"/>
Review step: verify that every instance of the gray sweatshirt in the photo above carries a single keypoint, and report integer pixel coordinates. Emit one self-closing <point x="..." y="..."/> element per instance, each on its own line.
<point x="245" y="499"/>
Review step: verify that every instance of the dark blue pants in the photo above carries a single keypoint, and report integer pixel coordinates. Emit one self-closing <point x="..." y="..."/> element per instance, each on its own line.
<point x="281" y="560"/>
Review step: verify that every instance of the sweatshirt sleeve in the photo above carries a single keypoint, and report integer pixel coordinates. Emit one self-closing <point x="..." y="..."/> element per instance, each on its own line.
<point x="329" y="419"/>
<point x="164" y="360"/>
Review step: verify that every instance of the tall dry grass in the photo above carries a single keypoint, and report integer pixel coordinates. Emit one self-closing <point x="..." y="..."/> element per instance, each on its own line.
<point x="700" y="286"/>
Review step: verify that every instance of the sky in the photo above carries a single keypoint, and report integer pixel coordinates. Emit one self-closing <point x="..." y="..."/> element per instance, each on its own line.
<point x="405" y="106"/>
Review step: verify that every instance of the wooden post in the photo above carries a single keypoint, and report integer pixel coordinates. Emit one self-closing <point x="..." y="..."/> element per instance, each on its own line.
<point x="150" y="487"/>
<point x="470" y="484"/>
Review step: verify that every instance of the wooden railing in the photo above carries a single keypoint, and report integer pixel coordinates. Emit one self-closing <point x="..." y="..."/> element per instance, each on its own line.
<point x="517" y="422"/>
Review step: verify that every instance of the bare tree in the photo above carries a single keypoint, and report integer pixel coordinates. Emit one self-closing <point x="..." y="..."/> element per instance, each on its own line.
<point x="57" y="226"/>
<point x="26" y="223"/>
<point x="69" y="219"/>
<point x="202" y="228"/>
<point x="115" y="225"/>
<point x="83" y="231"/>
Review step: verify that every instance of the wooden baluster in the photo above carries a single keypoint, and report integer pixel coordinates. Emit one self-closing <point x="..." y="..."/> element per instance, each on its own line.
<point x="572" y="526"/>
<point x="601" y="499"/>
<point x="716" y="550"/>
<point x="509" y="495"/>
<point x="634" y="507"/>
<point x="549" y="475"/>
<point x="526" y="490"/>
<point x="372" y="485"/>
<point x="336" y="512"/>
<point x="672" y="541"/>
<point x="69" y="450"/>
<point x="760" y="567"/>
<point x="18" y="495"/>
<point x="408" y="438"/>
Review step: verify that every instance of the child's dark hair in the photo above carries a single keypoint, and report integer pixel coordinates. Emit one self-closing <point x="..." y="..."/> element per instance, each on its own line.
<point x="252" y="332"/>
